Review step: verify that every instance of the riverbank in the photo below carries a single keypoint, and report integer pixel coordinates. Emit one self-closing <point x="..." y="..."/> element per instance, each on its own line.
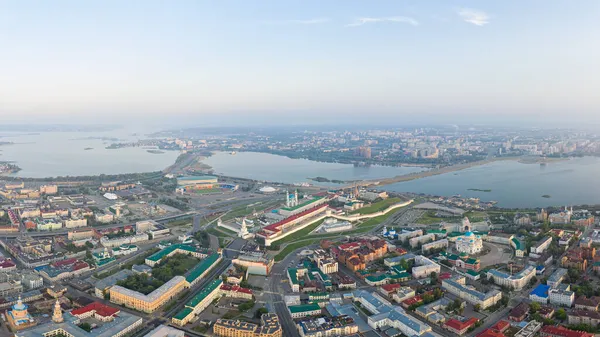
<point x="540" y="160"/>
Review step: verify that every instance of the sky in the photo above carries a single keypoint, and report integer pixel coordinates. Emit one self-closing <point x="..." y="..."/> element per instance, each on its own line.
<point x="236" y="62"/>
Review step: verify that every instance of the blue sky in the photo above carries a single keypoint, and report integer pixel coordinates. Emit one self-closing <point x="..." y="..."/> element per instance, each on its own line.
<point x="250" y="61"/>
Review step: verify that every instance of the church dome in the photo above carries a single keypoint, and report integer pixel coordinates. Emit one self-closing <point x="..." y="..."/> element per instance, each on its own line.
<point x="20" y="306"/>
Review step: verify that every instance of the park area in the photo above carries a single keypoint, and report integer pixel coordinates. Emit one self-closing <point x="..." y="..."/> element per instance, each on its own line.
<point x="176" y="265"/>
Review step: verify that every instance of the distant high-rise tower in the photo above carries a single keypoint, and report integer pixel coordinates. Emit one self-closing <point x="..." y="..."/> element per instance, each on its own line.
<point x="364" y="151"/>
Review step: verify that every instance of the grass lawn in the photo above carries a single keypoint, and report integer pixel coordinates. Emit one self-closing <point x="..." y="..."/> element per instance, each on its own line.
<point x="429" y="218"/>
<point x="177" y="223"/>
<point x="221" y="232"/>
<point x="209" y="191"/>
<point x="293" y="246"/>
<point x="237" y="212"/>
<point x="301" y="234"/>
<point x="362" y="228"/>
<point x="475" y="216"/>
<point x="378" y="206"/>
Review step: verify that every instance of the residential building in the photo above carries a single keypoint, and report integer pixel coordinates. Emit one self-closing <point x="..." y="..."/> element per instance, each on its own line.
<point x="420" y="240"/>
<point x="439" y="244"/>
<point x="165" y="331"/>
<point x="151" y="302"/>
<point x="385" y="314"/>
<point x="540" y="294"/>
<point x="519" y="312"/>
<point x="460" y="327"/>
<point x="585" y="303"/>
<point x="562" y="296"/>
<point x="584" y="317"/>
<point x="541" y="246"/>
<point x="198" y="303"/>
<point x="327" y="327"/>
<point x="458" y="287"/>
<point x="256" y="265"/>
<point x="516" y="282"/>
<point x="304" y="310"/>
<point x="530" y="329"/>
<point x="269" y="327"/>
<point x="424" y="267"/>
<point x="560" y="331"/>
<point x="557" y="277"/>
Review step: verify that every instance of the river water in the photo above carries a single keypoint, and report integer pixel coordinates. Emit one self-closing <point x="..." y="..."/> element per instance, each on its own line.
<point x="512" y="184"/>
<point x="51" y="154"/>
<point x="274" y="168"/>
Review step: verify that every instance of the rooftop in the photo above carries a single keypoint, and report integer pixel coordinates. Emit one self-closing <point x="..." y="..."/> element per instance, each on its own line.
<point x="303" y="308"/>
<point x="202" y="267"/>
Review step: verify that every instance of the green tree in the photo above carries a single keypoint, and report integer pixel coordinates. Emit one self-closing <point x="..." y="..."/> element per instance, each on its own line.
<point x="260" y="311"/>
<point x="534" y="307"/>
<point x="560" y="314"/>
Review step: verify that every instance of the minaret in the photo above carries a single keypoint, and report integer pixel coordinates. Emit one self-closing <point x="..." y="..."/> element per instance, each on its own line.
<point x="57" y="316"/>
<point x="287" y="198"/>
<point x="296" y="198"/>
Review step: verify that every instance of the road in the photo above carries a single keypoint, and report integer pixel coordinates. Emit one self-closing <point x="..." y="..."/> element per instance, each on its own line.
<point x="275" y="293"/>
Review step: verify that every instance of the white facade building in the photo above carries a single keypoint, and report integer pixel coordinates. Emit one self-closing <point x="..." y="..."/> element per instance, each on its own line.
<point x="469" y="243"/>
<point x="434" y="245"/>
<point x="562" y="296"/>
<point x="424" y="267"/>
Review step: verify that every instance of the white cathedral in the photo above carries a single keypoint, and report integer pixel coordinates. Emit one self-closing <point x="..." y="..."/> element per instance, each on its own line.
<point x="469" y="243"/>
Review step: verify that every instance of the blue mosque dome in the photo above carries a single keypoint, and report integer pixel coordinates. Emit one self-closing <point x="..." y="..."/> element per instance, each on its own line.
<point x="469" y="233"/>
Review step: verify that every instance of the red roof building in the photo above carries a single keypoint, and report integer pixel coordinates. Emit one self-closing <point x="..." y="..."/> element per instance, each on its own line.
<point x="500" y="326"/>
<point x="445" y="276"/>
<point x="66" y="262"/>
<point x="559" y="331"/>
<point x="275" y="228"/>
<point x="236" y="291"/>
<point x="98" y="310"/>
<point x="491" y="333"/>
<point x="388" y="289"/>
<point x="415" y="300"/>
<point x="7" y="264"/>
<point x="460" y="327"/>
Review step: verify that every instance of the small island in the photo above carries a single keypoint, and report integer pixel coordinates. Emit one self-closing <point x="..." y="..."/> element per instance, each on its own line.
<point x="155" y="151"/>
<point x="325" y="180"/>
<point x="546" y="196"/>
<point x="479" y="190"/>
<point x="88" y="148"/>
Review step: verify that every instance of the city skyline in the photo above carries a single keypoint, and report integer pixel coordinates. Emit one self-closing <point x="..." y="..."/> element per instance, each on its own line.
<point x="301" y="62"/>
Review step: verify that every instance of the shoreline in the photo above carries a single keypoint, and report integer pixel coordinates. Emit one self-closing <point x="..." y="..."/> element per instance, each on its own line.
<point x="433" y="172"/>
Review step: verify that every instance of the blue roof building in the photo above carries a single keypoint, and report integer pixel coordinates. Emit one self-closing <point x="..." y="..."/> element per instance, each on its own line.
<point x="540" y="294"/>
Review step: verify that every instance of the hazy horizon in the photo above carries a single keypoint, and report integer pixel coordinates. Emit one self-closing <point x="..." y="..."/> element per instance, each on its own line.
<point x="191" y="63"/>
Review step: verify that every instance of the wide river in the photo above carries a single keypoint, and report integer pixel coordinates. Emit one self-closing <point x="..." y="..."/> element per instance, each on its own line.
<point x="274" y="168"/>
<point x="51" y="154"/>
<point x="513" y="185"/>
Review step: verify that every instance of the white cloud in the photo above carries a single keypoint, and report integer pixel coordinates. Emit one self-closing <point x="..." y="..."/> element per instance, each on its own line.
<point x="398" y="19"/>
<point x="476" y="17"/>
<point x="314" y="21"/>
